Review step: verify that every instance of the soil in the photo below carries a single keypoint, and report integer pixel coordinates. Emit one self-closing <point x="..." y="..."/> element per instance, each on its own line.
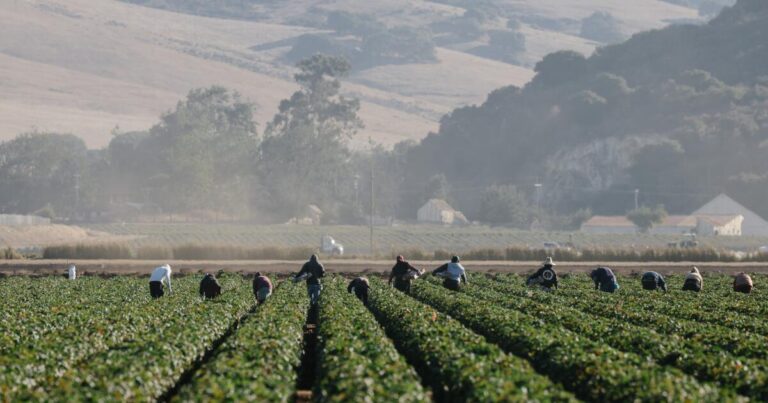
<point x="144" y="267"/>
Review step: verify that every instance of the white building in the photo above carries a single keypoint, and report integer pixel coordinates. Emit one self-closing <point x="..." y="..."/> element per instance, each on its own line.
<point x="752" y="224"/>
<point x="705" y="225"/>
<point x="438" y="211"/>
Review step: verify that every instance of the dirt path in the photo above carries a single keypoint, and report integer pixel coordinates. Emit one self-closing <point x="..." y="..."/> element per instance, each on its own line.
<point x="138" y="267"/>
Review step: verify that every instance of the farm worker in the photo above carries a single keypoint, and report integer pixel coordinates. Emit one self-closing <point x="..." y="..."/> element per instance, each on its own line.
<point x="72" y="272"/>
<point x="544" y="278"/>
<point x="262" y="288"/>
<point x="361" y="286"/>
<point x="159" y="276"/>
<point x="403" y="273"/>
<point x="604" y="279"/>
<point x="693" y="280"/>
<point x="653" y="281"/>
<point x="209" y="287"/>
<point x="742" y="283"/>
<point x="452" y="272"/>
<point x="312" y="271"/>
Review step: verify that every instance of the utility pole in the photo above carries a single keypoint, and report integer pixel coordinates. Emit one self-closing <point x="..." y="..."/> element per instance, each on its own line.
<point x="538" y="200"/>
<point x="637" y="192"/>
<point x="373" y="204"/>
<point x="77" y="194"/>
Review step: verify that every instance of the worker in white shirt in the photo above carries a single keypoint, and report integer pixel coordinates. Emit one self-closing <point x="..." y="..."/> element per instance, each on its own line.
<point x="159" y="276"/>
<point x="452" y="272"/>
<point x="72" y="272"/>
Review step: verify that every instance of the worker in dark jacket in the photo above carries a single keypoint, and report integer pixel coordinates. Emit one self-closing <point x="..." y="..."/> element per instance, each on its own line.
<point x="604" y="279"/>
<point x="452" y="273"/>
<point x="403" y="273"/>
<point x="360" y="286"/>
<point x="653" y="281"/>
<point x="312" y="271"/>
<point x="742" y="283"/>
<point x="262" y="288"/>
<point x="544" y="278"/>
<point x="209" y="287"/>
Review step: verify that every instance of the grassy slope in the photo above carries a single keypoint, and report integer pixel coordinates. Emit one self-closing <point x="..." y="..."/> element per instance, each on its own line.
<point x="85" y="67"/>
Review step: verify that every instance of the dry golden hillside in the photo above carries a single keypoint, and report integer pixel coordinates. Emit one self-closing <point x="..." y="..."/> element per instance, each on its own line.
<point x="86" y="67"/>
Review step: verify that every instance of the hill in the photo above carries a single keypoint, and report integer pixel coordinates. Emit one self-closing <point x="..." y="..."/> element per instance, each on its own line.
<point x="87" y="67"/>
<point x="677" y="113"/>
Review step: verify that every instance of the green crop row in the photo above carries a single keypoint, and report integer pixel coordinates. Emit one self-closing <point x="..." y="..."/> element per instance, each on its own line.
<point x="53" y="331"/>
<point x="734" y="341"/>
<point x="357" y="362"/>
<point x="258" y="363"/>
<point x="148" y="365"/>
<point x="459" y="364"/>
<point x="748" y="377"/>
<point x="590" y="369"/>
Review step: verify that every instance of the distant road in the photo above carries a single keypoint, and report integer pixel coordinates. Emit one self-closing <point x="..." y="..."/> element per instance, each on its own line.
<point x="140" y="267"/>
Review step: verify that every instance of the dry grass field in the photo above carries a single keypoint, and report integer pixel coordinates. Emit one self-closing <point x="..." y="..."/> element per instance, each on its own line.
<point x="86" y="67"/>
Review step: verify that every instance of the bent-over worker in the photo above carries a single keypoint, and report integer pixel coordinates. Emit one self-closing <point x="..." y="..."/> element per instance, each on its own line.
<point x="693" y="280"/>
<point x="262" y="288"/>
<point x="653" y="281"/>
<point x="360" y="286"/>
<point x="209" y="287"/>
<point x="72" y="272"/>
<point x="742" y="283"/>
<point x="604" y="279"/>
<point x="403" y="273"/>
<point x="544" y="278"/>
<point x="453" y="273"/>
<point x="160" y="275"/>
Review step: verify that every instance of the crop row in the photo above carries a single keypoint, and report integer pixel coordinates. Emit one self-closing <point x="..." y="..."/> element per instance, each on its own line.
<point x="736" y="342"/>
<point x="590" y="369"/>
<point x="357" y="362"/>
<point x="86" y="318"/>
<point x="148" y="365"/>
<point x="458" y="364"/>
<point x="258" y="362"/>
<point x="748" y="377"/>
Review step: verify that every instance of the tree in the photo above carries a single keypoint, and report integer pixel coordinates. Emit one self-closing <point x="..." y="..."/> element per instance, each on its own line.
<point x="645" y="217"/>
<point x="39" y="170"/>
<point x="505" y="205"/>
<point x="197" y="156"/>
<point x="304" y="151"/>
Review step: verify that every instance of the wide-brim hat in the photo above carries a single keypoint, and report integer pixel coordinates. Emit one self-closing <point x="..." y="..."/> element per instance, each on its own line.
<point x="549" y="262"/>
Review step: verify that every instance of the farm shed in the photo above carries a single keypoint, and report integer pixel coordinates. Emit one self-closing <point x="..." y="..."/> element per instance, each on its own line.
<point x="708" y="225"/>
<point x="723" y="225"/>
<point x="721" y="205"/>
<point x="439" y="211"/>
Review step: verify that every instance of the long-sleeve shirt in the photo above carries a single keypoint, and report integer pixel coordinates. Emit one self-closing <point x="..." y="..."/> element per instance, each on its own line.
<point x="742" y="279"/>
<point x="358" y="285"/>
<point x="314" y="271"/>
<point x="656" y="278"/>
<point x="604" y="279"/>
<point x="260" y="282"/>
<point x="400" y="269"/>
<point x="210" y="286"/>
<point x="163" y="275"/>
<point x="545" y="276"/>
<point x="695" y="277"/>
<point x="452" y="271"/>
